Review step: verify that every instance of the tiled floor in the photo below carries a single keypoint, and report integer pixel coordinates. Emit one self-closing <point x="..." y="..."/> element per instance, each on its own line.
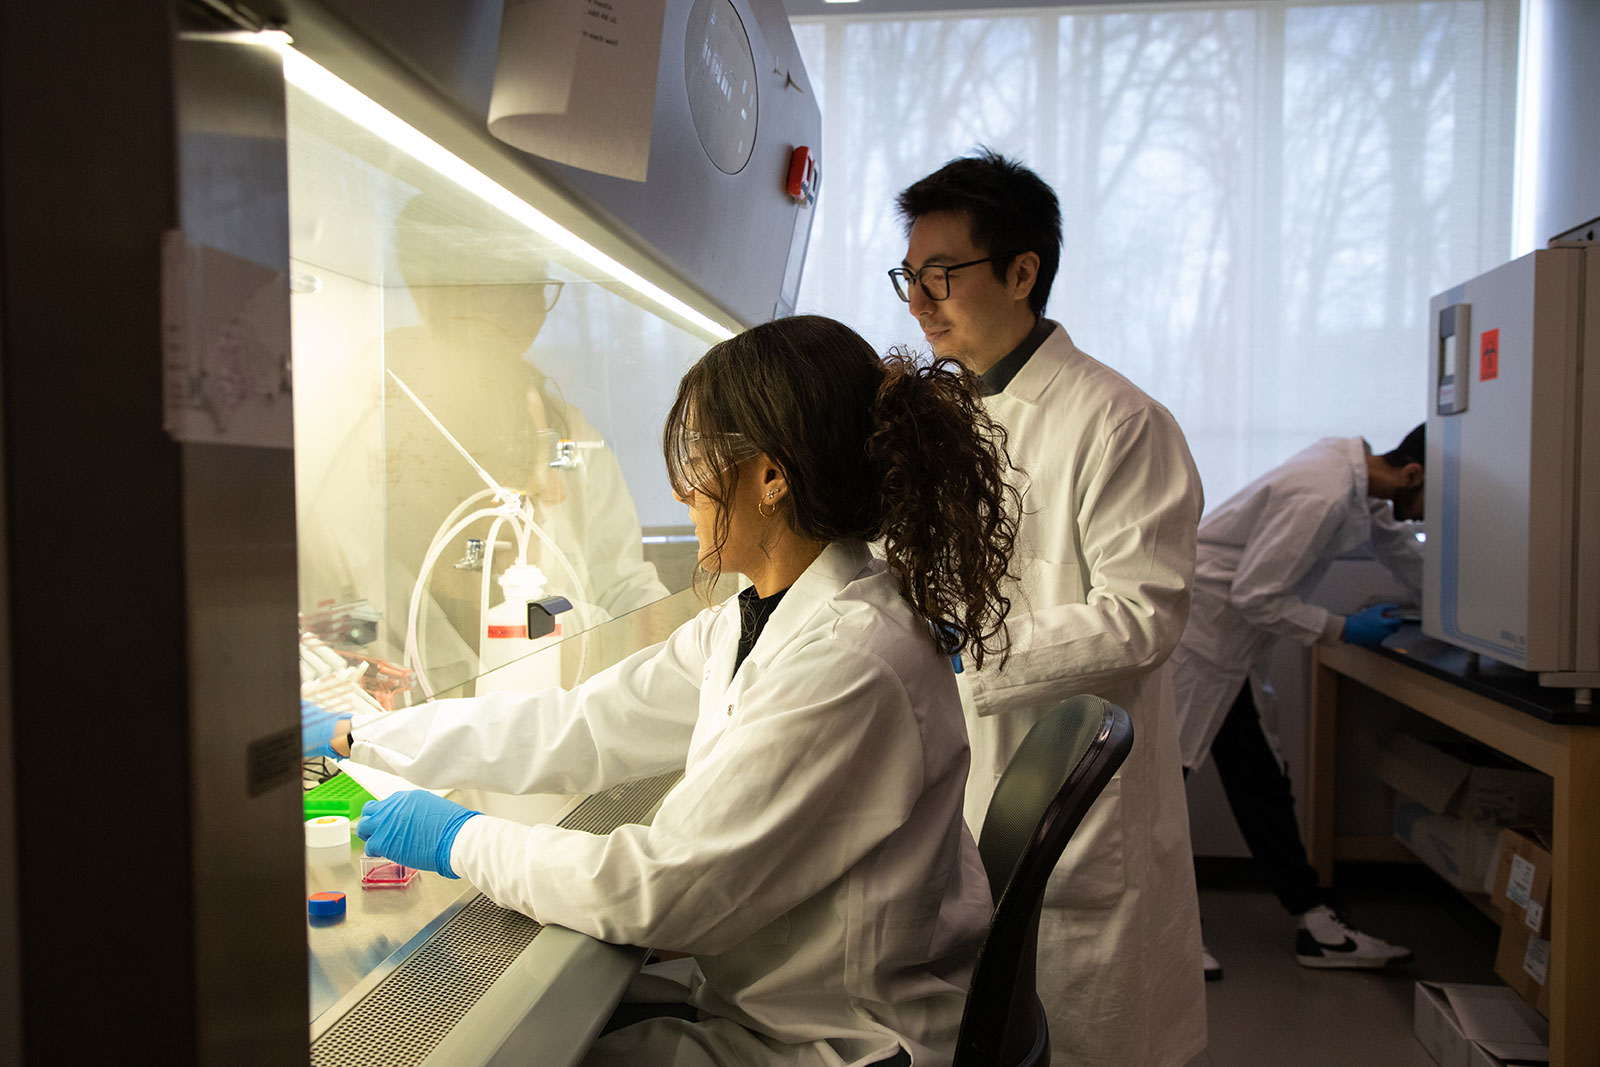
<point x="1268" y="1011"/>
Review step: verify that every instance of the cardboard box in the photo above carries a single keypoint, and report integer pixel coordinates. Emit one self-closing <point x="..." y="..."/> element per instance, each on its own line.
<point x="1460" y="851"/>
<point x="1509" y="1055"/>
<point x="1468" y="781"/>
<point x="1437" y="1028"/>
<point x="1451" y="806"/>
<point x="1457" y="1023"/>
<point x="1523" y="960"/>
<point x="1521" y="888"/>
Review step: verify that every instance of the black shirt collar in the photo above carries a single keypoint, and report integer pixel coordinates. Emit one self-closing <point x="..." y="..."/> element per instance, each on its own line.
<point x="754" y="611"/>
<point x="996" y="378"/>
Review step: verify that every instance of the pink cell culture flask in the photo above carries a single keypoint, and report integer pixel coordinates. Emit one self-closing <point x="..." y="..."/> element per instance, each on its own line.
<point x="379" y="873"/>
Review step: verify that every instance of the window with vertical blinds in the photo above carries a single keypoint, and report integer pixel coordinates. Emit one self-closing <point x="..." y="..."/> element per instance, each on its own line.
<point x="1257" y="200"/>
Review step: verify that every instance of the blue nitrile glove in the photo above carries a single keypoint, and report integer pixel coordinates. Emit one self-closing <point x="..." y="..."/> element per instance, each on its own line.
<point x="1370" y="626"/>
<point x="948" y="634"/>
<point x="414" y="828"/>
<point x="316" y="730"/>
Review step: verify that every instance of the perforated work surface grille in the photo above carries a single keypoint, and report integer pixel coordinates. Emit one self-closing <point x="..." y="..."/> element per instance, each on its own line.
<point x="404" y="1018"/>
<point x="628" y="802"/>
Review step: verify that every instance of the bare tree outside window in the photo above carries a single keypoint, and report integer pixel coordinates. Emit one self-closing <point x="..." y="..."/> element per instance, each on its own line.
<point x="1257" y="201"/>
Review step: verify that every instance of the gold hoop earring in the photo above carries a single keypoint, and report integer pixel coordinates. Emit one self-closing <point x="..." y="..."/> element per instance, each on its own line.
<point x="770" y="504"/>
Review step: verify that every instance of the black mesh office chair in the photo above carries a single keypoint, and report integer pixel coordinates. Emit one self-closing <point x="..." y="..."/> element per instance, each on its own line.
<point x="1057" y="772"/>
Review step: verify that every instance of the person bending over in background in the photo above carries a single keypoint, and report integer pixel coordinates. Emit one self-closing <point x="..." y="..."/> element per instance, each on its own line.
<point x="1261" y="553"/>
<point x="1106" y="553"/>
<point x="813" y="859"/>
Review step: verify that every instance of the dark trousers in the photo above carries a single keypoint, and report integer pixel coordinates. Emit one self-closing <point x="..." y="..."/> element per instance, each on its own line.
<point x="1263" y="805"/>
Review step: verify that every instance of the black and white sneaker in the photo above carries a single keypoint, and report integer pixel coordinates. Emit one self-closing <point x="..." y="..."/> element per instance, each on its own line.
<point x="1326" y="940"/>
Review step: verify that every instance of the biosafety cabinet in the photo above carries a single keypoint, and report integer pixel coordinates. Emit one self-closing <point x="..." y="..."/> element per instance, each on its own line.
<point x="367" y="402"/>
<point x="1512" y="561"/>
<point x="485" y="345"/>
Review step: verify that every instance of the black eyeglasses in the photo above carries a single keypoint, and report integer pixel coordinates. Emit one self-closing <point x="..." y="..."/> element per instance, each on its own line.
<point x="935" y="277"/>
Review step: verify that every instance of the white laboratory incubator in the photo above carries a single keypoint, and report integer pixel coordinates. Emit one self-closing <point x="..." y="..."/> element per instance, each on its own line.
<point x="1511" y="566"/>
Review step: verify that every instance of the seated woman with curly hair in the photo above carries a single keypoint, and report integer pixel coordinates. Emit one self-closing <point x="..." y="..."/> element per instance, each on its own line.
<point x="813" y="860"/>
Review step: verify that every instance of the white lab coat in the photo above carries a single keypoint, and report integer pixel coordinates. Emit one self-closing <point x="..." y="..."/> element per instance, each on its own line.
<point x="1106" y="554"/>
<point x="813" y="858"/>
<point x="1260" y="554"/>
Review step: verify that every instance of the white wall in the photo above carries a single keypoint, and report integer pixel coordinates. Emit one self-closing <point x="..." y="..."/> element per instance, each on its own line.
<point x="1567" y="181"/>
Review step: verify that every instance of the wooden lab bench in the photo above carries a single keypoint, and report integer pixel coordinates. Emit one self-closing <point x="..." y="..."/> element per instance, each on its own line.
<point x="1504" y="709"/>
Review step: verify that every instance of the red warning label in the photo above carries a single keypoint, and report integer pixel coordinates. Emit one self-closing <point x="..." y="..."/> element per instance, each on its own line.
<point x="519" y="633"/>
<point x="508" y="631"/>
<point x="1489" y="356"/>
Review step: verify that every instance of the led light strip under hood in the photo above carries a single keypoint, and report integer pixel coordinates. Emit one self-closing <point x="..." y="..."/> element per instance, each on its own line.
<point x="349" y="102"/>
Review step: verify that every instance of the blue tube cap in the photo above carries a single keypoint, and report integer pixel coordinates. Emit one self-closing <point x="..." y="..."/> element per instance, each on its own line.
<point x="325" y="904"/>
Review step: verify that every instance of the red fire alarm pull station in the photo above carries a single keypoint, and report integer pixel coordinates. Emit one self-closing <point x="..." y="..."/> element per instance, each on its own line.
<point x="804" y="176"/>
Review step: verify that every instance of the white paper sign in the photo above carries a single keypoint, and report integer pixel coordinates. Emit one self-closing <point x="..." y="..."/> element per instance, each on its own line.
<point x="225" y="347"/>
<point x="575" y="81"/>
<point x="1519" y="884"/>
<point x="1536" y="961"/>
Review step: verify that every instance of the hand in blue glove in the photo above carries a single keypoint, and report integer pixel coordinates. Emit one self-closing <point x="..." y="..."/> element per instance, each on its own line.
<point x="316" y="730"/>
<point x="414" y="828"/>
<point x="947" y="637"/>
<point x="1370" y="626"/>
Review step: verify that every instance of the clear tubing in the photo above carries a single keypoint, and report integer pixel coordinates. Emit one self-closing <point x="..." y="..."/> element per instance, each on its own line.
<point x="578" y="590"/>
<point x="504" y="496"/>
<point x="461" y="508"/>
<point x="522" y="529"/>
<point x="421" y="633"/>
<point x="488" y="570"/>
<point x="416" y="632"/>
<point x="414" y="658"/>
<point x="523" y="523"/>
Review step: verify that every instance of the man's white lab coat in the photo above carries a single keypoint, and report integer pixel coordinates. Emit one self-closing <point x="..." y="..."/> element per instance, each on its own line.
<point x="1106" y="555"/>
<point x="813" y="858"/>
<point x="1260" y="554"/>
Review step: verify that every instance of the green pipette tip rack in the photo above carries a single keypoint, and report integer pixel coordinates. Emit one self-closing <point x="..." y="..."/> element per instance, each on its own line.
<point x="339" y="795"/>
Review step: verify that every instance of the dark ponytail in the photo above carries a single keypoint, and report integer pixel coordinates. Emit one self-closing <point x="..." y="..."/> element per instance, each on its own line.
<point x="887" y="450"/>
<point x="948" y="517"/>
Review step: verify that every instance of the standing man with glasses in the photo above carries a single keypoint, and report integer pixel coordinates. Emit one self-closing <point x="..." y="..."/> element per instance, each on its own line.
<point x="1104" y="562"/>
